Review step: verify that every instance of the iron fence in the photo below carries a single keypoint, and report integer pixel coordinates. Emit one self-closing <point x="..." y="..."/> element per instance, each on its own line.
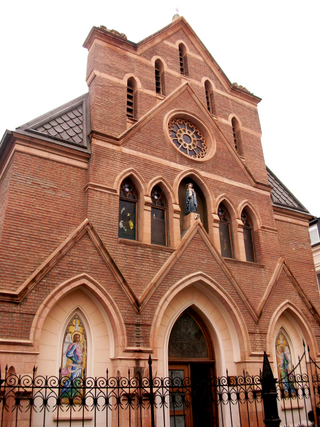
<point x="133" y="401"/>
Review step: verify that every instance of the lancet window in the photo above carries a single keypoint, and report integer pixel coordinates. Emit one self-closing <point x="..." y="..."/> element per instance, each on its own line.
<point x="131" y="98"/>
<point x="225" y="232"/>
<point x="183" y="60"/>
<point x="159" y="77"/>
<point x="158" y="217"/>
<point x="73" y="361"/>
<point x="248" y="237"/>
<point x="128" y="210"/>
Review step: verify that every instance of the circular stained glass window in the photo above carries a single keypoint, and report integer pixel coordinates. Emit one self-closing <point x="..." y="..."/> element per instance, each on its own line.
<point x="187" y="138"/>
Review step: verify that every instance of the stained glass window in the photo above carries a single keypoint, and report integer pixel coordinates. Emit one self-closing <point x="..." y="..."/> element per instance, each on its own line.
<point x="187" y="339"/>
<point x="158" y="217"/>
<point x="284" y="364"/>
<point x="127" y="210"/>
<point x="225" y="232"/>
<point x="248" y="237"/>
<point x="187" y="138"/>
<point x="73" y="361"/>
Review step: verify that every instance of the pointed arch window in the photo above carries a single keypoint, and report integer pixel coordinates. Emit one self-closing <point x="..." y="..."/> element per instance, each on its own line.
<point x="183" y="60"/>
<point x="158" y="217"/>
<point x="73" y="361"/>
<point x="187" y="339"/>
<point x="225" y="232"/>
<point x="128" y="210"/>
<point x="159" y="77"/>
<point x="131" y="98"/>
<point x="248" y="237"/>
<point x="209" y="97"/>
<point x="285" y="365"/>
<point x="236" y="134"/>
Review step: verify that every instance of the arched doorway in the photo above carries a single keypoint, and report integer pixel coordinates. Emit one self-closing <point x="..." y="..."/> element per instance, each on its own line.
<point x="191" y="369"/>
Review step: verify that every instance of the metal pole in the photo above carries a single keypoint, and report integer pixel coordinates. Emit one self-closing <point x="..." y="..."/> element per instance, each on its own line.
<point x="151" y="391"/>
<point x="269" y="395"/>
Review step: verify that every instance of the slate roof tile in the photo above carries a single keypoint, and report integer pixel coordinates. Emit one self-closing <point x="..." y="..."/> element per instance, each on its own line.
<point x="281" y="196"/>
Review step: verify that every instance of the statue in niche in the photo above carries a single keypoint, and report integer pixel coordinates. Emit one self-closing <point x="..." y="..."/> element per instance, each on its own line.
<point x="191" y="199"/>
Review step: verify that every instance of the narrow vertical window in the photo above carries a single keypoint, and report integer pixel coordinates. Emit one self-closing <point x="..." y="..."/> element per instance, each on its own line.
<point x="236" y="135"/>
<point x="128" y="210"/>
<point x="73" y="361"/>
<point x="158" y="217"/>
<point x="183" y="60"/>
<point x="209" y="97"/>
<point x="159" y="77"/>
<point x="131" y="98"/>
<point x="248" y="237"/>
<point x="225" y="232"/>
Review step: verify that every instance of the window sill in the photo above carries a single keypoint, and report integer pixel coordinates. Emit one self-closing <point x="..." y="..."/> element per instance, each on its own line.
<point x="249" y="263"/>
<point x="144" y="245"/>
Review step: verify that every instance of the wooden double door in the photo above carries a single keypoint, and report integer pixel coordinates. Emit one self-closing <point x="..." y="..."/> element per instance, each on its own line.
<point x="193" y="400"/>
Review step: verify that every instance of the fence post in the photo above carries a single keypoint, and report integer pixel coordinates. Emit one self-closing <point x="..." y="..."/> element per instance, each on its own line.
<point x="269" y="395"/>
<point x="151" y="391"/>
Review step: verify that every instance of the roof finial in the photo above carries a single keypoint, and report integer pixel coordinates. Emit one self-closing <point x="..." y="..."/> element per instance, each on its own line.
<point x="176" y="15"/>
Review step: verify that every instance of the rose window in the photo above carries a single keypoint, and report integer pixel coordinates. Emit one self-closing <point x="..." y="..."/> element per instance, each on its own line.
<point x="187" y="138"/>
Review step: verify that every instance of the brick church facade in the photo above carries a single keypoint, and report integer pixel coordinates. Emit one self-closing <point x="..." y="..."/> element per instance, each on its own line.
<point x="97" y="245"/>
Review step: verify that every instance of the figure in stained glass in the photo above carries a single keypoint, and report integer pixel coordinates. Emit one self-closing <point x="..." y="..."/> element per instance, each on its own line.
<point x="284" y="364"/>
<point x="74" y="358"/>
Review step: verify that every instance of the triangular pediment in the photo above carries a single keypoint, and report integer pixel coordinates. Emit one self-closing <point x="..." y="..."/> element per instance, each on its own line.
<point x="284" y="277"/>
<point x="196" y="256"/>
<point x="165" y="35"/>
<point x="83" y="240"/>
<point x="179" y="24"/>
<point x="184" y="103"/>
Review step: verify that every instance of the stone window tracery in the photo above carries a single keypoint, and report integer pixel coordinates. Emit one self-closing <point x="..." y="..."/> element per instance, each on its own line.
<point x="187" y="138"/>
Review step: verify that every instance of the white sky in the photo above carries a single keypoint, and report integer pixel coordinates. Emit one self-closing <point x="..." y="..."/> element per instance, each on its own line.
<point x="270" y="47"/>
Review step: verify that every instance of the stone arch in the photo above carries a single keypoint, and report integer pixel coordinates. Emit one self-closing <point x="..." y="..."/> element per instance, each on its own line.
<point x="219" y="312"/>
<point x="228" y="204"/>
<point x="134" y="176"/>
<point x="97" y="296"/>
<point x="204" y="79"/>
<point x="231" y="116"/>
<point x="290" y="318"/>
<point x="132" y="76"/>
<point x="182" y="42"/>
<point x="159" y="58"/>
<point x="254" y="214"/>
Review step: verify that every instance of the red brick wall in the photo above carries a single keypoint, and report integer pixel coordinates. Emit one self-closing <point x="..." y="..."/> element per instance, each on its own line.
<point x="46" y="203"/>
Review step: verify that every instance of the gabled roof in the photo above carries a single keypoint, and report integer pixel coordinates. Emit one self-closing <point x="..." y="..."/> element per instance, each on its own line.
<point x="179" y="22"/>
<point x="68" y="124"/>
<point x="281" y="196"/>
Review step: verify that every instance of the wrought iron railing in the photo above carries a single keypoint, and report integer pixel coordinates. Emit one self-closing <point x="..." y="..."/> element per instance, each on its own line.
<point x="133" y="401"/>
<point x="35" y="400"/>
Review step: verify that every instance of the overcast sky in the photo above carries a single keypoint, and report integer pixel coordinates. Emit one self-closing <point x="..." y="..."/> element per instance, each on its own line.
<point x="270" y="47"/>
